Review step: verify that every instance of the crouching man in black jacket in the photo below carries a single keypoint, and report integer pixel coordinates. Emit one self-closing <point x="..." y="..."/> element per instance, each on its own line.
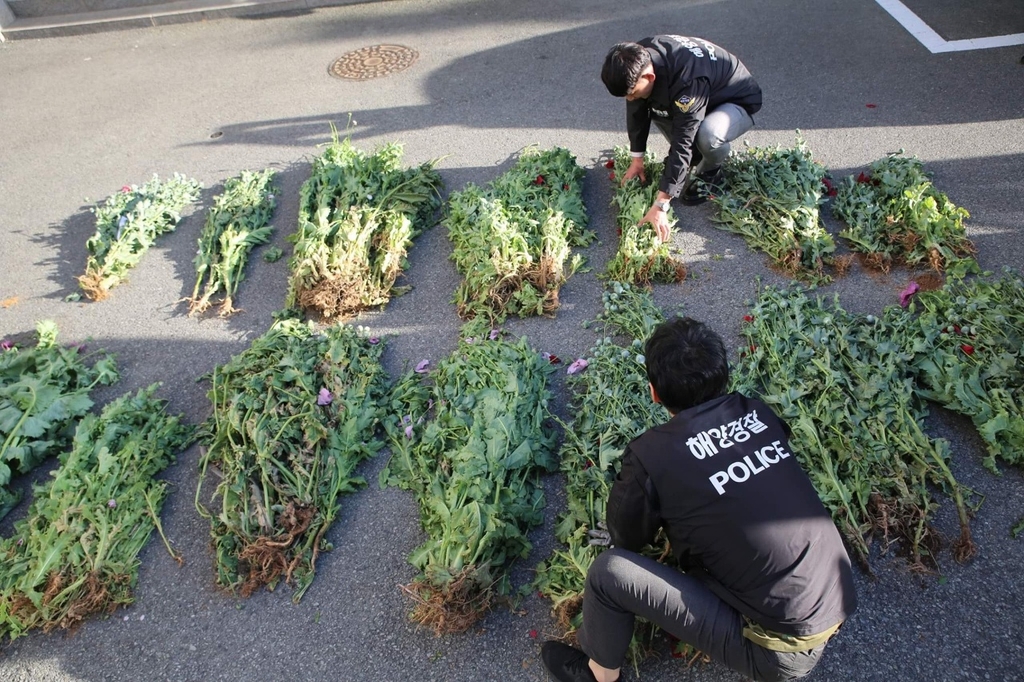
<point x="765" y="580"/>
<point x="699" y="96"/>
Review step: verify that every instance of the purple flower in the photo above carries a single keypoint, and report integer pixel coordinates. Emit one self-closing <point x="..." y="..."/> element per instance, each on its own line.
<point x="408" y="431"/>
<point x="495" y="333"/>
<point x="470" y="339"/>
<point x="374" y="340"/>
<point x="324" y="397"/>
<point x="111" y="503"/>
<point x="907" y="293"/>
<point x="407" y="419"/>
<point x="6" y="345"/>
<point x="577" y="366"/>
<point x="422" y="367"/>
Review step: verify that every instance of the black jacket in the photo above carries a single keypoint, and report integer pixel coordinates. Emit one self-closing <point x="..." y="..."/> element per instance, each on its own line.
<point x="740" y="514"/>
<point x="692" y="77"/>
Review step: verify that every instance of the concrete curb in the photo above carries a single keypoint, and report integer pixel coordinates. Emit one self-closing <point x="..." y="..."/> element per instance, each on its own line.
<point x="6" y="18"/>
<point x="175" y="12"/>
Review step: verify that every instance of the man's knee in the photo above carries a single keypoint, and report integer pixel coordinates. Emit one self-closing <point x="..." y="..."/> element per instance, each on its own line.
<point x="609" y="568"/>
<point x="708" y="141"/>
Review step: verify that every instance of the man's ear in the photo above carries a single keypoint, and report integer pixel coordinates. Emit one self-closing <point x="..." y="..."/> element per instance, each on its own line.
<point x="654" y="394"/>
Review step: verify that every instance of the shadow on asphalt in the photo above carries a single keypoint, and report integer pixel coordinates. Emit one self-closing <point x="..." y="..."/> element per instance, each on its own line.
<point x="519" y="84"/>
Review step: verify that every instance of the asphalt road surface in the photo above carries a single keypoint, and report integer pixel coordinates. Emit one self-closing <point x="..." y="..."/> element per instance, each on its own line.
<point x="82" y="116"/>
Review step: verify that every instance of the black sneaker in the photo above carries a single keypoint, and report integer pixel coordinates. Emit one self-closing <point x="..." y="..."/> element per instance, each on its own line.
<point x="703" y="185"/>
<point x="565" y="663"/>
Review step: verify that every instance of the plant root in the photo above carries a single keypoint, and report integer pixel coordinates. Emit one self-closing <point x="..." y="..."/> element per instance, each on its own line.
<point x="452" y="607"/>
<point x="264" y="560"/>
<point x="842" y="264"/>
<point x="94" y="287"/>
<point x="340" y="296"/>
<point x="565" y="613"/>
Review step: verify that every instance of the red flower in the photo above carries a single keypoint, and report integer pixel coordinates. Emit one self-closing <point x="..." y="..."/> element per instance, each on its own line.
<point x="956" y="328"/>
<point x="539" y="180"/>
<point x="611" y="176"/>
<point x="863" y="178"/>
<point x="126" y="189"/>
<point x="967" y="349"/>
<point x="618" y="231"/>
<point x="871" y="106"/>
<point x="748" y="318"/>
<point x="610" y="163"/>
<point x="753" y="348"/>
<point x="533" y="634"/>
<point x="565" y="187"/>
<point x="589" y="464"/>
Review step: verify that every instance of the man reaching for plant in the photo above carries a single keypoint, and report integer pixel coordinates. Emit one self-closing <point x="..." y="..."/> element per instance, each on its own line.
<point x="764" y="580"/>
<point x="700" y="97"/>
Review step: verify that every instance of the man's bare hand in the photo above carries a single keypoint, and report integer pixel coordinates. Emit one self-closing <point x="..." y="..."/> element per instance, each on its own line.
<point x="635" y="170"/>
<point x="659" y="220"/>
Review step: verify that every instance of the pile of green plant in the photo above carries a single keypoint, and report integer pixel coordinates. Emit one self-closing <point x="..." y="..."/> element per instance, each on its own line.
<point x="611" y="407"/>
<point x="127" y="224"/>
<point x="292" y="417"/>
<point x="840" y="381"/>
<point x="238" y="221"/>
<point x="772" y="197"/>
<point x="44" y="391"/>
<point x="471" y="447"/>
<point x="358" y="216"/>
<point x="512" y="241"/>
<point x="964" y="343"/>
<point x="641" y="258"/>
<point x="894" y="215"/>
<point x="76" y="553"/>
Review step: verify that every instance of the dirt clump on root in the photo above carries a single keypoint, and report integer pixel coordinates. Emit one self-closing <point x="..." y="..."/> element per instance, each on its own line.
<point x="842" y="264"/>
<point x="340" y="296"/>
<point x="930" y="281"/>
<point x="452" y="607"/>
<point x="92" y="285"/>
<point x="266" y="559"/>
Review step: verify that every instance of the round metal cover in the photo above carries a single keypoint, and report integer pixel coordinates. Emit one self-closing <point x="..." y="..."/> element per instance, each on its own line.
<point x="373" y="62"/>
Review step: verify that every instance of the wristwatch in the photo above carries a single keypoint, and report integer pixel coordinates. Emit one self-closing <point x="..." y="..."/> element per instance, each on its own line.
<point x="661" y="204"/>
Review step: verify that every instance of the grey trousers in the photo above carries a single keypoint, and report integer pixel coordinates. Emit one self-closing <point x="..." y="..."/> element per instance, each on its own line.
<point x="719" y="127"/>
<point x="622" y="585"/>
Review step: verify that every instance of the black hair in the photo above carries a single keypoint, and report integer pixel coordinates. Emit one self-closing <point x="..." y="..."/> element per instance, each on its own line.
<point x="686" y="363"/>
<point x="623" y="66"/>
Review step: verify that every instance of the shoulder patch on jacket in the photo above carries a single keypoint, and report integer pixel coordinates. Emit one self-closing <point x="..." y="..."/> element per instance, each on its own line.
<point x="685" y="103"/>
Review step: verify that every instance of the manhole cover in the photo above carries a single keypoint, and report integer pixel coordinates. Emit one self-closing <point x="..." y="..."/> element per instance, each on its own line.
<point x="373" y="62"/>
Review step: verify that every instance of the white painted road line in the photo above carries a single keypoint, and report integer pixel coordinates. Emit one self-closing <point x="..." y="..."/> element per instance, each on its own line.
<point x="936" y="43"/>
